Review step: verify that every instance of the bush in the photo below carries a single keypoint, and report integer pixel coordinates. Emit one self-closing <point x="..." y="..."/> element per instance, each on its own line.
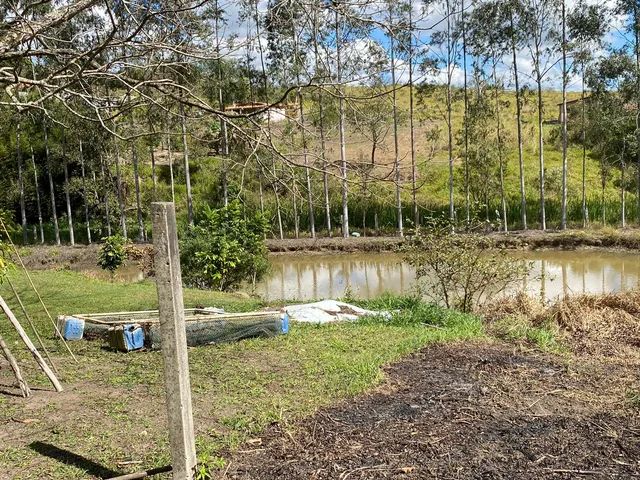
<point x="224" y="248"/>
<point x="4" y="261"/>
<point x="112" y="253"/>
<point x="460" y="270"/>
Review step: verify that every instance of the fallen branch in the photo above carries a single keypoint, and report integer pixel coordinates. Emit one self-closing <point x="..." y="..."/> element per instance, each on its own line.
<point x="26" y="392"/>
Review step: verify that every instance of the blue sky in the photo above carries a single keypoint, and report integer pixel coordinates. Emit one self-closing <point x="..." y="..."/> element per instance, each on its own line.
<point x="359" y="51"/>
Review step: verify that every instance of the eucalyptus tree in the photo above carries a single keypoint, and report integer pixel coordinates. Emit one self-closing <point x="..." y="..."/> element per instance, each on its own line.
<point x="370" y="119"/>
<point x="512" y="31"/>
<point x="486" y="42"/>
<point x="610" y="122"/>
<point x="540" y="24"/>
<point x="630" y="11"/>
<point x="463" y="30"/>
<point x="320" y="31"/>
<point x="23" y="211"/>
<point x="37" y="190"/>
<point x="340" y="39"/>
<point x="287" y="40"/>
<point x="448" y="42"/>
<point x="587" y="24"/>
<point x="409" y="46"/>
<point x="394" y="26"/>
<point x="484" y="165"/>
<point x="563" y="128"/>
<point x="65" y="168"/>
<point x="52" y="193"/>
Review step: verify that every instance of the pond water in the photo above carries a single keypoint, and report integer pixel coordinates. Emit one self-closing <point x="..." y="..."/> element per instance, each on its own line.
<point x="555" y="273"/>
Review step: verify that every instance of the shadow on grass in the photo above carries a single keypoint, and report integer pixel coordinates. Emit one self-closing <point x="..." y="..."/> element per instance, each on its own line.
<point x="69" y="458"/>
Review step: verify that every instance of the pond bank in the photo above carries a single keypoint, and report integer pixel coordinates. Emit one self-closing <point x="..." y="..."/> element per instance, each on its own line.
<point x="529" y="239"/>
<point x="84" y="257"/>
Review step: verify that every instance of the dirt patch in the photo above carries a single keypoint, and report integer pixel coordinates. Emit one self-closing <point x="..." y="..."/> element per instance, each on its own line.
<point x="46" y="257"/>
<point x="465" y="411"/>
<point x="83" y="257"/>
<point x="335" y="244"/>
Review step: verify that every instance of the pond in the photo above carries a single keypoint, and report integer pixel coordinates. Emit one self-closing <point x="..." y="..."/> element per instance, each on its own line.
<point x="555" y="273"/>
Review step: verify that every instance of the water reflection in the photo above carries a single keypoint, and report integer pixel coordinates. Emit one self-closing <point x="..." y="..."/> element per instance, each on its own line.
<point x="554" y="274"/>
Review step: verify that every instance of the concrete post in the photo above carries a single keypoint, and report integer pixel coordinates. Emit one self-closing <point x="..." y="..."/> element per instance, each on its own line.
<point x="174" y="340"/>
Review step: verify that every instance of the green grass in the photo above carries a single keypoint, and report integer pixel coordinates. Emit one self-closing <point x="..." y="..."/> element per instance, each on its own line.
<point x="516" y="329"/>
<point x="113" y="406"/>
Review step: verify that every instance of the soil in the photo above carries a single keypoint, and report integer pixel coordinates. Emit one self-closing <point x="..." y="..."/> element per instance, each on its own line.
<point x="465" y="410"/>
<point x="82" y="257"/>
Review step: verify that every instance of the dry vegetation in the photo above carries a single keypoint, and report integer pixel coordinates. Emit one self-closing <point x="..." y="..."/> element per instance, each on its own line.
<point x="604" y="325"/>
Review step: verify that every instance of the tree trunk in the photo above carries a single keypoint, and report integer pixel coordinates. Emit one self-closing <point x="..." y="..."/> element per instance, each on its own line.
<point x="223" y="123"/>
<point x="260" y="191"/>
<point x="312" y="220"/>
<point x="543" y="216"/>
<point x="523" y="193"/>
<point x="38" y="204"/>
<point x="278" y="210"/>
<point x="52" y="192"/>
<point x="343" y="146"/>
<point x="325" y="166"/>
<point x="602" y="198"/>
<point x="364" y="222"/>
<point x="187" y="175"/>
<point x="23" y="211"/>
<point x="636" y="31"/>
<point x="503" y="202"/>
<point x="623" y="196"/>
<point x="296" y="218"/>
<point x="72" y="239"/>
<point x="585" y="212"/>
<point x="121" y="199"/>
<point x="563" y="221"/>
<point x="105" y="188"/>
<point x="171" y="177"/>
<point x="136" y="183"/>
<point x="396" y="147"/>
<point x="467" y="200"/>
<point x="449" y="108"/>
<point x="414" y="173"/>
<point x="84" y="195"/>
<point x="154" y="177"/>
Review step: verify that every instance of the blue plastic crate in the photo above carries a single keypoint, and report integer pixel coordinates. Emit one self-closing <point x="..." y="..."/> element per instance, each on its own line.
<point x="71" y="328"/>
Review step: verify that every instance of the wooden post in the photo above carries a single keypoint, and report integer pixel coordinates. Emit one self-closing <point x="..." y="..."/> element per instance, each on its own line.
<point x="27" y="341"/>
<point x="24" y="388"/>
<point x="174" y="340"/>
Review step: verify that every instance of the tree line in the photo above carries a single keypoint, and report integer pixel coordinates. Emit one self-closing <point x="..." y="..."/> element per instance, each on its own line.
<point x="324" y="115"/>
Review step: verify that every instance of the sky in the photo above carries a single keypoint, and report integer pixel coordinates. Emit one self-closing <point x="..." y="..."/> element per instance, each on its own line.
<point x="359" y="51"/>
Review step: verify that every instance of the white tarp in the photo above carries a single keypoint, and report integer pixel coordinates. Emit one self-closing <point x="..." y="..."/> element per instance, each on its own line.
<point x="327" y="311"/>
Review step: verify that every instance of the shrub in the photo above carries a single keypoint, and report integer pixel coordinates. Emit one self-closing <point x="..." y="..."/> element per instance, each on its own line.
<point x="459" y="270"/>
<point x="224" y="248"/>
<point x="4" y="261"/>
<point x="112" y="253"/>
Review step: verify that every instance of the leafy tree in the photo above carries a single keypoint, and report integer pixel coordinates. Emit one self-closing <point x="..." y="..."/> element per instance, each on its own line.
<point x="540" y="18"/>
<point x="112" y="253"/>
<point x="586" y="24"/>
<point x="459" y="270"/>
<point x="224" y="248"/>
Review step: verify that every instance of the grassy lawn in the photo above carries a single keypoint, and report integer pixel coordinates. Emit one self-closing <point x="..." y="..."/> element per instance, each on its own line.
<point x="112" y="409"/>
